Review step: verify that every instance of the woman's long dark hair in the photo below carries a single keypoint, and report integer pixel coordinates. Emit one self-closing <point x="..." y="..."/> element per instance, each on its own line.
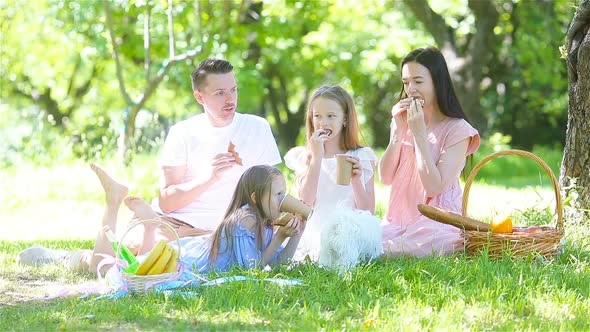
<point x="446" y="98"/>
<point x="434" y="61"/>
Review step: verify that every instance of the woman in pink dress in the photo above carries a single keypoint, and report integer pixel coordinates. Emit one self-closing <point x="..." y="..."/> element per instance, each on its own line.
<point x="429" y="143"/>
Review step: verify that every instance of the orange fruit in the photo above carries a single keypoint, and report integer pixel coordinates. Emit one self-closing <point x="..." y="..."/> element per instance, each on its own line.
<point x="501" y="224"/>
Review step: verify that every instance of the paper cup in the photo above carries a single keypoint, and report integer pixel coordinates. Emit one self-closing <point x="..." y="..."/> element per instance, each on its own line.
<point x="343" y="170"/>
<point x="291" y="204"/>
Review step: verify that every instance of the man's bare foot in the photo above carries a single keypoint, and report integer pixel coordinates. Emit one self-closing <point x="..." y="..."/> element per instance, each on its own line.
<point x="114" y="191"/>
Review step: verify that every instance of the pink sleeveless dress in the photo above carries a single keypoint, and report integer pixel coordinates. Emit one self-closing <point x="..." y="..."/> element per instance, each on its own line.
<point x="406" y="232"/>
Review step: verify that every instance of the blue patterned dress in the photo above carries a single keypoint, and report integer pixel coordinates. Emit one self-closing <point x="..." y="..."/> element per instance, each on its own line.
<point x="195" y="250"/>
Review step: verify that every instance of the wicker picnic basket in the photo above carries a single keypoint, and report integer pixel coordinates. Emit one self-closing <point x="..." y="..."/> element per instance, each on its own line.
<point x="544" y="242"/>
<point x="141" y="283"/>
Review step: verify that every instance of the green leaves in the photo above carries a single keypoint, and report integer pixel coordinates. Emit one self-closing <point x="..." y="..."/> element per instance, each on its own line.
<point x="62" y="50"/>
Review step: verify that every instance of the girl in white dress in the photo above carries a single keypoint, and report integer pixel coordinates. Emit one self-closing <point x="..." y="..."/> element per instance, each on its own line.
<point x="342" y="213"/>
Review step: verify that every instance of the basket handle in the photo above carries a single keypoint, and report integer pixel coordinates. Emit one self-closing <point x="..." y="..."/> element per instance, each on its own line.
<point x="558" y="204"/>
<point x="148" y="221"/>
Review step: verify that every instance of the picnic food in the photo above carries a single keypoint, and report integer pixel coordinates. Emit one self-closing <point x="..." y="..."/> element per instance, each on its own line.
<point x="412" y="99"/>
<point x="453" y="219"/>
<point x="162" y="259"/>
<point x="151" y="258"/>
<point x="284" y="220"/>
<point x="172" y="265"/>
<point x="159" y="265"/>
<point x="501" y="224"/>
<point x="418" y="100"/>
<point x="232" y="149"/>
<point x="534" y="229"/>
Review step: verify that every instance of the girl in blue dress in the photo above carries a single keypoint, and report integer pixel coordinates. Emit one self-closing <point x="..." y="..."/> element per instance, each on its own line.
<point x="246" y="237"/>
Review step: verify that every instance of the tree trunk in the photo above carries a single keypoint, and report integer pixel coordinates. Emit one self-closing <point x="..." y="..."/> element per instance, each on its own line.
<point x="134" y="105"/>
<point x="127" y="139"/>
<point x="379" y="104"/>
<point x="576" y="159"/>
<point x="466" y="60"/>
<point x="277" y="99"/>
<point x="57" y="114"/>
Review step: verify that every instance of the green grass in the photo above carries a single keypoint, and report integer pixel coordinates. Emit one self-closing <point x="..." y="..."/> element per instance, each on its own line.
<point x="517" y="171"/>
<point x="449" y="293"/>
<point x="61" y="208"/>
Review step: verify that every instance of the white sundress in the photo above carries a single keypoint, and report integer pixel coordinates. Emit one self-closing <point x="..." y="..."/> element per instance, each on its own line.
<point x="330" y="195"/>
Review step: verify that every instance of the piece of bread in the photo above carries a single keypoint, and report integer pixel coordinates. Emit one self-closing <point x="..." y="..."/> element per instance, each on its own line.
<point x="232" y="149"/>
<point x="284" y="220"/>
<point x="453" y="219"/>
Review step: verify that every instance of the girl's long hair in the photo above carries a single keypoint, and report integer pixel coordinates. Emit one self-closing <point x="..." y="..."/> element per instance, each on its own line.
<point x="349" y="139"/>
<point x="256" y="180"/>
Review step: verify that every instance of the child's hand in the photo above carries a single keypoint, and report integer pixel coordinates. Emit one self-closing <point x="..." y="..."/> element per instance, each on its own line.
<point x="357" y="170"/>
<point x="302" y="224"/>
<point x="316" y="142"/>
<point x="293" y="228"/>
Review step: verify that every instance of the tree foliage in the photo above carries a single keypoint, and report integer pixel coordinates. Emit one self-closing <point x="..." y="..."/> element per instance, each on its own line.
<point x="59" y="78"/>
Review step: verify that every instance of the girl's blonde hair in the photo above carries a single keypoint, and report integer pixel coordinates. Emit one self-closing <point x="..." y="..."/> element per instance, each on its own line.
<point x="349" y="140"/>
<point x="256" y="180"/>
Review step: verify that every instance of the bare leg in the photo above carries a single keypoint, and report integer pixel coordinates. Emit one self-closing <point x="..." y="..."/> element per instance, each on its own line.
<point x="115" y="192"/>
<point x="154" y="232"/>
<point x="143" y="211"/>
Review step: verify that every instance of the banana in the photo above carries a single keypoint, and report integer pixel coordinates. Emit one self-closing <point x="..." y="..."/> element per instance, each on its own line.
<point x="172" y="265"/>
<point x="159" y="266"/>
<point x="145" y="266"/>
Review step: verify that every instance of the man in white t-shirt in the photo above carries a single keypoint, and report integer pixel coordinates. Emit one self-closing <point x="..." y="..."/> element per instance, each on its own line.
<point x="199" y="175"/>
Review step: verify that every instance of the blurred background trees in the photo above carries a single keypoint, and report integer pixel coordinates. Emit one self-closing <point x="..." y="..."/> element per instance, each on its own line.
<point x="62" y="94"/>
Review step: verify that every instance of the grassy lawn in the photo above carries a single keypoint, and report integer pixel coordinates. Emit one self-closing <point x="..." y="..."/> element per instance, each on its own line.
<point x="61" y="206"/>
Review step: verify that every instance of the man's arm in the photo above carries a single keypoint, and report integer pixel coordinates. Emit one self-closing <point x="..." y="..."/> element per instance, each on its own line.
<point x="175" y="194"/>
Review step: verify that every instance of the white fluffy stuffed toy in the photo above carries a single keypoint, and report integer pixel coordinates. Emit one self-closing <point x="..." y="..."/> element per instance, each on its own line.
<point x="349" y="236"/>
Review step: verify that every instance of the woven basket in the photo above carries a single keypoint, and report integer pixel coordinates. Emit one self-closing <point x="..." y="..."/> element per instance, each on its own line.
<point x="141" y="283"/>
<point x="544" y="242"/>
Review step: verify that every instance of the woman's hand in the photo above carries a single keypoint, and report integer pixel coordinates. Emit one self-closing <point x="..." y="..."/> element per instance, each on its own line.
<point x="399" y="123"/>
<point x="316" y="143"/>
<point x="416" y="119"/>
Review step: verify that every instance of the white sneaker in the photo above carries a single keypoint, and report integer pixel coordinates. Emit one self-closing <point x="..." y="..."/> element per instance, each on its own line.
<point x="78" y="260"/>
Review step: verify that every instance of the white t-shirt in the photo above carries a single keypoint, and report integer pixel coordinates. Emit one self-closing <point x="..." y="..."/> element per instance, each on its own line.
<point x="194" y="142"/>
